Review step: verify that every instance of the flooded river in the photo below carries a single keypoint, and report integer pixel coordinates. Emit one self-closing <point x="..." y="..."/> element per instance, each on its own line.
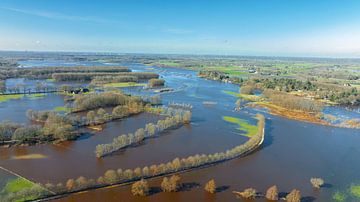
<point x="293" y="151"/>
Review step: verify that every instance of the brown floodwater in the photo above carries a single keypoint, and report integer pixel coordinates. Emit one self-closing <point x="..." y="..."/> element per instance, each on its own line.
<point x="292" y="153"/>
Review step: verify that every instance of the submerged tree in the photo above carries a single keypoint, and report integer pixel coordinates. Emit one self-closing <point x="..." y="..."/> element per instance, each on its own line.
<point x="294" y="196"/>
<point x="272" y="193"/>
<point x="140" y="188"/>
<point x="210" y="186"/>
<point x="170" y="184"/>
<point x="317" y="182"/>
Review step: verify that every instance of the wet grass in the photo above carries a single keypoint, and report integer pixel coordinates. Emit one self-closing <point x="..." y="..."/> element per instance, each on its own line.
<point x="123" y="84"/>
<point x="355" y="190"/>
<point x="62" y="109"/>
<point x="16" y="185"/>
<point x="250" y="130"/>
<point x="339" y="196"/>
<point x="4" y="98"/>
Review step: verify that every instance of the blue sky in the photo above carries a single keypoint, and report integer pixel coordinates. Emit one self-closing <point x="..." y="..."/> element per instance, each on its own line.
<point x="242" y="27"/>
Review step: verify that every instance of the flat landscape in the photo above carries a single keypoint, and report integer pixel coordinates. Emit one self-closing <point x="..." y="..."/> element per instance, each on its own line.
<point x="179" y="101"/>
<point x="200" y="123"/>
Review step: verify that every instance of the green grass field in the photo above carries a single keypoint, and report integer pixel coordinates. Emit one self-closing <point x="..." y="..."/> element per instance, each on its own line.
<point x="250" y="130"/>
<point x="4" y="98"/>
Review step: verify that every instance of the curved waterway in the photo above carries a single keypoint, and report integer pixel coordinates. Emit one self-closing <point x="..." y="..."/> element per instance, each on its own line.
<point x="292" y="153"/>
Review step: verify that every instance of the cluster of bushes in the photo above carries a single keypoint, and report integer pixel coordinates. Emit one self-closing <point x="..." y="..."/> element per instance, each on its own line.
<point x="106" y="99"/>
<point x="291" y="101"/>
<point x="219" y="76"/>
<point x="150" y="130"/>
<point x="156" y="83"/>
<point x="79" y="76"/>
<point x="118" y="112"/>
<point x="54" y="129"/>
<point x="120" y="176"/>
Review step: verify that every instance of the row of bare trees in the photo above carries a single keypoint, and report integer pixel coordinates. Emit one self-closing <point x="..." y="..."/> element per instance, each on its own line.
<point x="175" y="119"/>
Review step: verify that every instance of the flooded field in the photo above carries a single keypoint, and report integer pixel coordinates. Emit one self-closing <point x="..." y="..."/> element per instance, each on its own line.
<point x="293" y="151"/>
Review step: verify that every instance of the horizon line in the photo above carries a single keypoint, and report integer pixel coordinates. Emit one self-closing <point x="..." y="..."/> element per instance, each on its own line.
<point x="184" y="54"/>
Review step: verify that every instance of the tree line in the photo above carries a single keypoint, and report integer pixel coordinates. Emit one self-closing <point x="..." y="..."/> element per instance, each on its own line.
<point x="175" y="119"/>
<point x="88" y="76"/>
<point x="47" y="72"/>
<point x="113" y="79"/>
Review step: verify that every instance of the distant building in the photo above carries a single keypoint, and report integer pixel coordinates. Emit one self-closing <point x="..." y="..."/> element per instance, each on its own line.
<point x="252" y="71"/>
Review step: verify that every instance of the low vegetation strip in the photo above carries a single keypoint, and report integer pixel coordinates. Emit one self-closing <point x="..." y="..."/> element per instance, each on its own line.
<point x="120" y="176"/>
<point x="250" y="130"/>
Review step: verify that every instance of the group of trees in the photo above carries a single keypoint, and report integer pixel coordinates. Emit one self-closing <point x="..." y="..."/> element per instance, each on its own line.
<point x="272" y="194"/>
<point x="106" y="99"/>
<point x="113" y="79"/>
<point x="88" y="76"/>
<point x="55" y="128"/>
<point x="219" y="76"/>
<point x="47" y="72"/>
<point x="292" y="102"/>
<point x="119" y="176"/>
<point x="156" y="82"/>
<point x="125" y="140"/>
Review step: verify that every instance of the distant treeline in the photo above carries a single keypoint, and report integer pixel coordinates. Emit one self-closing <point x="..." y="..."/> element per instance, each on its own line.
<point x="47" y="72"/>
<point x="91" y="75"/>
<point x="113" y="79"/>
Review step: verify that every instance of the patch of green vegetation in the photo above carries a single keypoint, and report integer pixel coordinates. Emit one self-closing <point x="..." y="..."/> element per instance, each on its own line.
<point x="253" y="98"/>
<point x="50" y="80"/>
<point x="4" y="98"/>
<point x="249" y="129"/>
<point x="62" y="109"/>
<point x="339" y="196"/>
<point x="123" y="84"/>
<point x="355" y="190"/>
<point x="16" y="185"/>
